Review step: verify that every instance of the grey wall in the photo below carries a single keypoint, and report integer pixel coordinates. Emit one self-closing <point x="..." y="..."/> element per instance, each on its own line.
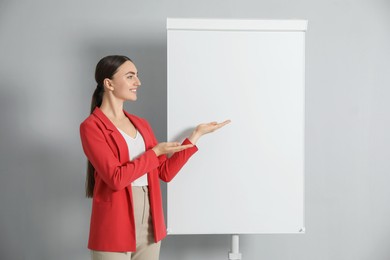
<point x="48" y="52"/>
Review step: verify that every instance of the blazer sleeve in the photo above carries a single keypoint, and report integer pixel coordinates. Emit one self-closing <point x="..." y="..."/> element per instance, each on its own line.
<point x="107" y="165"/>
<point x="169" y="167"/>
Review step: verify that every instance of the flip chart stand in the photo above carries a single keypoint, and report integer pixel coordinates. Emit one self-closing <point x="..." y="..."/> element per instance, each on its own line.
<point x="235" y="253"/>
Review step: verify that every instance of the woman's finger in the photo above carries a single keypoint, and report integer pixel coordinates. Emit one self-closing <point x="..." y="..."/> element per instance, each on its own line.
<point x="172" y="144"/>
<point x="180" y="148"/>
<point x="224" y="123"/>
<point x="214" y="126"/>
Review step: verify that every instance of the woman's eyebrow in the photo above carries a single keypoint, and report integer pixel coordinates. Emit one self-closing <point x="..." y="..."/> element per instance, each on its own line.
<point x="131" y="72"/>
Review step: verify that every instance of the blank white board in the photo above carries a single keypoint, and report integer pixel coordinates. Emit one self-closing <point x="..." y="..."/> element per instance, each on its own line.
<point x="248" y="177"/>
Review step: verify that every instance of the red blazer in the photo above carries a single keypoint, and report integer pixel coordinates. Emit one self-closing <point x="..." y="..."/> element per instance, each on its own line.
<point x="112" y="226"/>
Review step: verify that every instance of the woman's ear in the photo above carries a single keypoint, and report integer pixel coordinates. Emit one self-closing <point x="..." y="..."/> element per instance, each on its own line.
<point x="108" y="84"/>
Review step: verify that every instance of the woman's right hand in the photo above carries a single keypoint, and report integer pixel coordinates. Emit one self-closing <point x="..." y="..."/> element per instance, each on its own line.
<point x="169" y="148"/>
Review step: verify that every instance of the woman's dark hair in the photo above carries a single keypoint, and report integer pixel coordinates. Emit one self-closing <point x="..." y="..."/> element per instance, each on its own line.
<point x="106" y="68"/>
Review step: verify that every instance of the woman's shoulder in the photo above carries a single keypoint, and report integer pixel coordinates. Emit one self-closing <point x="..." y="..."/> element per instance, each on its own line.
<point x="89" y="124"/>
<point x="89" y="119"/>
<point x="97" y="119"/>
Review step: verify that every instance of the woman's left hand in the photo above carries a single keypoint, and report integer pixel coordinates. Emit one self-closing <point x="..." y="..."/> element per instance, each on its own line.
<point x="206" y="128"/>
<point x="210" y="127"/>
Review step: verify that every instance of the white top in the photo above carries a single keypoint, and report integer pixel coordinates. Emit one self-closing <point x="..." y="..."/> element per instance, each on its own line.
<point x="136" y="147"/>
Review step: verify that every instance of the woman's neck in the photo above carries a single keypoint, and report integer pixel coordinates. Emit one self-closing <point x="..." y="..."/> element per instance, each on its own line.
<point x="112" y="108"/>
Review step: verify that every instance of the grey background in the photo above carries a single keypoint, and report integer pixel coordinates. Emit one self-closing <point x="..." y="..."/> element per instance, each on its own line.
<point x="48" y="52"/>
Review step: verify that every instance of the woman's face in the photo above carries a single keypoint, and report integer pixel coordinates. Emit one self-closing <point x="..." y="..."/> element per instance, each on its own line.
<point x="125" y="82"/>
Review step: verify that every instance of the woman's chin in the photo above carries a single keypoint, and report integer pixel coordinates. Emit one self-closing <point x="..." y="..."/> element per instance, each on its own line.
<point x="132" y="99"/>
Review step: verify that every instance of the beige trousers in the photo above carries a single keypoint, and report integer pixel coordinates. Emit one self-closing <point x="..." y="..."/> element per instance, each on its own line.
<point x="147" y="249"/>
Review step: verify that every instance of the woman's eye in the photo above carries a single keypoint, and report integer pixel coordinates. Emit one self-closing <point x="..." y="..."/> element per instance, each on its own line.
<point x="129" y="77"/>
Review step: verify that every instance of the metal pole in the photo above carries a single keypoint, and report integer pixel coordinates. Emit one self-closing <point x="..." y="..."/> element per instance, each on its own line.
<point x="235" y="253"/>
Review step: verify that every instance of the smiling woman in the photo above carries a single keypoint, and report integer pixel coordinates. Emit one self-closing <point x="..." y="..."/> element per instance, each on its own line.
<point x="125" y="82"/>
<point x="124" y="167"/>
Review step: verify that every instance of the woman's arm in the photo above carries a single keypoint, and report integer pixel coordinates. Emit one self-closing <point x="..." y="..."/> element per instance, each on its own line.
<point x="203" y="129"/>
<point x="109" y="168"/>
<point x="169" y="167"/>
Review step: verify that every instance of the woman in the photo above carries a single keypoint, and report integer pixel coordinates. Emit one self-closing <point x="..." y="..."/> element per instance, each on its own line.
<point x="125" y="163"/>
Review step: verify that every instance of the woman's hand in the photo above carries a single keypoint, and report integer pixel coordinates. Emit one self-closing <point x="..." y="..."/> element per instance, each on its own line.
<point x="203" y="129"/>
<point x="169" y="148"/>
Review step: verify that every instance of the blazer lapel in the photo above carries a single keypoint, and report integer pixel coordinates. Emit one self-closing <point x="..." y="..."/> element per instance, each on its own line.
<point x="147" y="136"/>
<point x="142" y="129"/>
<point x="119" y="141"/>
